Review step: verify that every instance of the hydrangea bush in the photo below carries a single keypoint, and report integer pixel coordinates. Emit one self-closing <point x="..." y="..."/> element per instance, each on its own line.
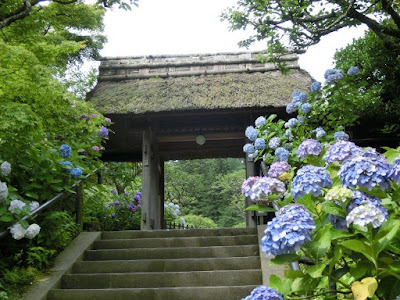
<point x="339" y="215"/>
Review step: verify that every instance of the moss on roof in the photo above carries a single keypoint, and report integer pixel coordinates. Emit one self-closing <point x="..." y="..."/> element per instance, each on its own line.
<point x="233" y="90"/>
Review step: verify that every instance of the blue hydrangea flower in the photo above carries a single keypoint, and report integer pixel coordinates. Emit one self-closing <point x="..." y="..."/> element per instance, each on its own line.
<point x="366" y="172"/>
<point x="341" y="152"/>
<point x="5" y="168"/>
<point x="303" y="97"/>
<point x="292" y="122"/>
<point x="264" y="293"/>
<point x="341" y="136"/>
<point x="306" y="108"/>
<point x="260" y="121"/>
<point x="288" y="133"/>
<point x="300" y="119"/>
<point x="291" y="108"/>
<point x="360" y="198"/>
<point x="338" y="222"/>
<point x="66" y="164"/>
<point x="103" y="132"/>
<point x="266" y="186"/>
<point x="116" y="203"/>
<point x="76" y="172"/>
<point x="366" y="214"/>
<point x="253" y="155"/>
<point x="274" y="142"/>
<point x="113" y="216"/>
<point x="310" y="180"/>
<point x="65" y="151"/>
<point x="290" y="229"/>
<point x="353" y="71"/>
<point x="296" y="93"/>
<point x="333" y="76"/>
<point x="259" y="144"/>
<point x="309" y="147"/>
<point x="315" y="86"/>
<point x="278" y="168"/>
<point x="319" y="132"/>
<point x="251" y="133"/>
<point x="248" y="148"/>
<point x="281" y="154"/>
<point x="395" y="174"/>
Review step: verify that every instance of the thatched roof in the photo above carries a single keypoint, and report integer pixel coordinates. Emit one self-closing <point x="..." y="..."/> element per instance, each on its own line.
<point x="194" y="82"/>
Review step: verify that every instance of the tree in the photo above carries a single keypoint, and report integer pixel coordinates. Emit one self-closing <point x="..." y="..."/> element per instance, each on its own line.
<point x="301" y="23"/>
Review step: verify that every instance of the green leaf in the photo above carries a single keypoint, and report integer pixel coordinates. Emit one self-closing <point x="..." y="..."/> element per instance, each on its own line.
<point x="260" y="207"/>
<point x="284" y="258"/>
<point x="305" y="284"/>
<point x="275" y="282"/>
<point x="321" y="242"/>
<point x="316" y="270"/>
<point x="385" y="235"/>
<point x="292" y="274"/>
<point x="338" y="234"/>
<point x="32" y="195"/>
<point x="6" y="218"/>
<point x="308" y="202"/>
<point x="360" y="247"/>
<point x="332" y="208"/>
<point x="360" y="269"/>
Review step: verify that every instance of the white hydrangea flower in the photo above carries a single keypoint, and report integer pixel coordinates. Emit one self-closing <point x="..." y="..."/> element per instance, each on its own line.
<point x="3" y="190"/>
<point x="182" y="221"/>
<point x="32" y="231"/>
<point x="339" y="193"/>
<point x="366" y="214"/>
<point x="33" y="205"/>
<point x="17" y="231"/>
<point x="5" y="168"/>
<point x="16" y="205"/>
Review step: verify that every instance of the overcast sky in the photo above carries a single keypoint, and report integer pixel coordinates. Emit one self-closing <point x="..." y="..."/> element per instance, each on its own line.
<point x="189" y="26"/>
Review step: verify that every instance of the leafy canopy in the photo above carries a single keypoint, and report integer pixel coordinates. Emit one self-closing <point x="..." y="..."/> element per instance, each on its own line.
<point x="301" y="23"/>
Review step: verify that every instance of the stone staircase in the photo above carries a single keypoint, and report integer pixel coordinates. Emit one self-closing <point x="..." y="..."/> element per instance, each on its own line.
<point x="177" y="264"/>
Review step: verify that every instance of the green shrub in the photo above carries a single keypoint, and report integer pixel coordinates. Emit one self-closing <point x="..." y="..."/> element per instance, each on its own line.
<point x="199" y="221"/>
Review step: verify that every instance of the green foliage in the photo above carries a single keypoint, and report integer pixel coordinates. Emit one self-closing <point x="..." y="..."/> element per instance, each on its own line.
<point x="40" y="257"/>
<point x="199" y="221"/>
<point x="299" y="24"/>
<point x="381" y="79"/>
<point x="210" y="188"/>
<point x="57" y="230"/>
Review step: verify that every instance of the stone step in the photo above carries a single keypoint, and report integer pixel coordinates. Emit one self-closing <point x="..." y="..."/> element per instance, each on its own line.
<point x="176" y="242"/>
<point x="171" y="253"/>
<point x="167" y="265"/>
<point x="132" y="234"/>
<point x="162" y="279"/>
<point x="181" y="293"/>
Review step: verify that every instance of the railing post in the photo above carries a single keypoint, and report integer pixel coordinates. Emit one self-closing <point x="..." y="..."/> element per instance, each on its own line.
<point x="99" y="178"/>
<point x="79" y="205"/>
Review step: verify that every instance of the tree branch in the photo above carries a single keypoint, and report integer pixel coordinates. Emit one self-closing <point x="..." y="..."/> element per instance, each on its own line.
<point x="395" y="16"/>
<point x="16" y="15"/>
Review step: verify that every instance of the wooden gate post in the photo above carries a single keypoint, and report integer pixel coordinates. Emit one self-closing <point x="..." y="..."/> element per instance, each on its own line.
<point x="250" y="215"/>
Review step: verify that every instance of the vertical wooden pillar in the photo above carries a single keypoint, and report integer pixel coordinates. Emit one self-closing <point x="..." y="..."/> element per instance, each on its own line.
<point x="151" y="175"/>
<point x="79" y="205"/>
<point x="250" y="215"/>
<point x="162" y="191"/>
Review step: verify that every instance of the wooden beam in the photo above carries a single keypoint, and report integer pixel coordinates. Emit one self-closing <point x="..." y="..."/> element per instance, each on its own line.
<point x="192" y="137"/>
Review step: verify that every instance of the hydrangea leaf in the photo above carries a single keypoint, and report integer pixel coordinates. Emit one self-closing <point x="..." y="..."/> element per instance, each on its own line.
<point x="316" y="270"/>
<point x="332" y="208"/>
<point x="338" y="234"/>
<point x="305" y="284"/>
<point x="321" y="242"/>
<point x="6" y="218"/>
<point x="364" y="289"/>
<point x="282" y="286"/>
<point x="386" y="234"/>
<point x="284" y="258"/>
<point x="258" y="207"/>
<point x="360" y="269"/>
<point x="308" y="203"/>
<point x="292" y="274"/>
<point x="360" y="247"/>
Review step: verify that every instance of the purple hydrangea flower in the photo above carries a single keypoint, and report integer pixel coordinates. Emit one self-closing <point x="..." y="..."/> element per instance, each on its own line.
<point x="310" y="180"/>
<point x="83" y="117"/>
<point x="395" y="173"/>
<point x="366" y="214"/>
<point x="315" y="86"/>
<point x="113" y="216"/>
<point x="259" y="144"/>
<point x="341" y="136"/>
<point x="103" y="132"/>
<point x="251" y="133"/>
<point x="248" y="148"/>
<point x="274" y="142"/>
<point x="65" y="151"/>
<point x="264" y="293"/>
<point x="281" y="154"/>
<point x="266" y="186"/>
<point x="292" y="122"/>
<point x="126" y="194"/>
<point x="113" y="192"/>
<point x="366" y="171"/>
<point x="260" y="121"/>
<point x="309" y="147"/>
<point x="353" y="71"/>
<point x="341" y="152"/>
<point x="278" y="168"/>
<point x="76" y="172"/>
<point x="291" y="108"/>
<point x="290" y="229"/>
<point x="306" y="108"/>
<point x="107" y="120"/>
<point x="96" y="148"/>
<point x="116" y="203"/>
<point x="248" y="184"/>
